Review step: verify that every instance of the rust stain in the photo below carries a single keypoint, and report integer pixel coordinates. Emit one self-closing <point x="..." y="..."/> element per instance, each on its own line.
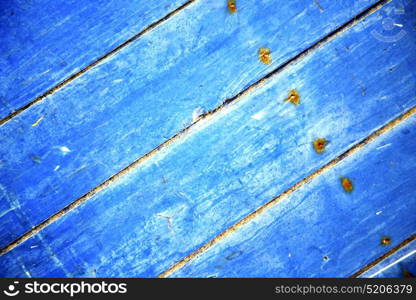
<point x="319" y="145"/>
<point x="407" y="274"/>
<point x="265" y="55"/>
<point x="347" y="184"/>
<point x="293" y="97"/>
<point x="232" y="6"/>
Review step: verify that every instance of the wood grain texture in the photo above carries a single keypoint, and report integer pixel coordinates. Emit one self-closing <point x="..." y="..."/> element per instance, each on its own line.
<point x="401" y="264"/>
<point x="232" y="163"/>
<point x="322" y="231"/>
<point x="44" y="42"/>
<point x="78" y="137"/>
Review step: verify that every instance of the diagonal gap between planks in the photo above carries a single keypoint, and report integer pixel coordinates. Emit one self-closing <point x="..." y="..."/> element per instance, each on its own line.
<point x="298" y="57"/>
<point x="96" y="62"/>
<point x="204" y="117"/>
<point x="376" y="6"/>
<point x="384" y="256"/>
<point x="355" y="148"/>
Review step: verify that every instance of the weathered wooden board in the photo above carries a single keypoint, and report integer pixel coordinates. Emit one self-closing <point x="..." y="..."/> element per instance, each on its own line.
<point x="401" y="264"/>
<point x="322" y="231"/>
<point x="43" y="42"/>
<point x="64" y="146"/>
<point x="231" y="163"/>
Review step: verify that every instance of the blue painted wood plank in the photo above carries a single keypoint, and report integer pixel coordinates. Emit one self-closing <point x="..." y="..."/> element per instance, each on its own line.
<point x="43" y="42"/>
<point x="401" y="264"/>
<point x="229" y="164"/>
<point x="64" y="146"/>
<point x="322" y="231"/>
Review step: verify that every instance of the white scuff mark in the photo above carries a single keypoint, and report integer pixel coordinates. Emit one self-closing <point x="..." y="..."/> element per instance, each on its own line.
<point x="57" y="168"/>
<point x="64" y="149"/>
<point x="196" y="114"/>
<point x="398" y="25"/>
<point x="289" y="255"/>
<point x="13" y="203"/>
<point x="22" y="265"/>
<point x="379" y="212"/>
<point x="117" y="80"/>
<point x="185" y="197"/>
<point x="77" y="171"/>
<point x="3" y="213"/>
<point x="258" y="116"/>
<point x="103" y="92"/>
<point x="53" y="256"/>
<point x="383" y="146"/>
<point x="33" y="247"/>
<point x="45" y="72"/>
<point x="26" y="271"/>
